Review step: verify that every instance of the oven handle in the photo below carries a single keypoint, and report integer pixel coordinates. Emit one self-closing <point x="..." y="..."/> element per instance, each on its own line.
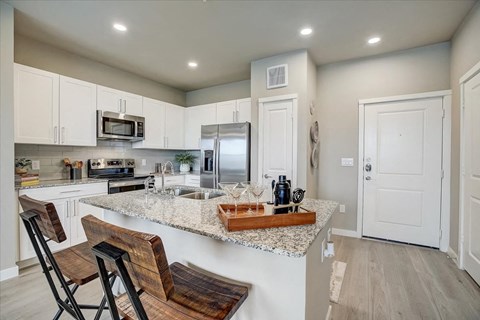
<point x="116" y="184"/>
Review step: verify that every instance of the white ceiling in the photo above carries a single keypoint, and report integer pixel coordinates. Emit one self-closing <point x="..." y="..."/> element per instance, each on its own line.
<point x="225" y="36"/>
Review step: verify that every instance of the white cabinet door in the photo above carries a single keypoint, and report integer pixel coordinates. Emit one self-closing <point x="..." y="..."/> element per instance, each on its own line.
<point x="192" y="180"/>
<point x="226" y="111"/>
<point x="81" y="210"/>
<point x="77" y="112"/>
<point x="195" y="117"/>
<point x="108" y="99"/>
<point x="35" y="105"/>
<point x="133" y="104"/>
<point x="244" y="110"/>
<point x="154" y="113"/>
<point x="174" y="126"/>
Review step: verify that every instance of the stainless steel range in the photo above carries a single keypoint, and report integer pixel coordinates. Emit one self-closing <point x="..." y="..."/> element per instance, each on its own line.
<point x="119" y="172"/>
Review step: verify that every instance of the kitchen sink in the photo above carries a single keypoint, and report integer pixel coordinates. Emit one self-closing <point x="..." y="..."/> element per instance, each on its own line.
<point x="181" y="192"/>
<point x="197" y="195"/>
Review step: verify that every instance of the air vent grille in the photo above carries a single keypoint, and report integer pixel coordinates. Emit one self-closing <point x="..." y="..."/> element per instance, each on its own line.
<point x="277" y="76"/>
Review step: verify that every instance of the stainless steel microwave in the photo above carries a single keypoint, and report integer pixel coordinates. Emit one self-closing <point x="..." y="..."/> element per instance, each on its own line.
<point x="119" y="126"/>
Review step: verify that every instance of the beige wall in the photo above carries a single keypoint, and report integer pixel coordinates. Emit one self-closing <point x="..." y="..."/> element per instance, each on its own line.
<point x="312" y="173"/>
<point x="43" y="56"/>
<point x="8" y="214"/>
<point x="341" y="85"/>
<point x="297" y="83"/>
<point x="465" y="54"/>
<point x="224" y="92"/>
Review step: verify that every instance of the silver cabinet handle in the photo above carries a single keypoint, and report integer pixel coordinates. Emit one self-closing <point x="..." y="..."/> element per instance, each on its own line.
<point x="68" y="209"/>
<point x="368" y="178"/>
<point x="233" y="116"/>
<point x="266" y="176"/>
<point x="55" y="134"/>
<point x="119" y="105"/>
<point x="124" y="106"/>
<point x="63" y="135"/>
<point x="71" y="191"/>
<point x="237" y="113"/>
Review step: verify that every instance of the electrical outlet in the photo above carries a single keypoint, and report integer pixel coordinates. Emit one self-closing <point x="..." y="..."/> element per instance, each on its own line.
<point x="347" y="162"/>
<point x="36" y="165"/>
<point x="341" y="208"/>
<point x="144" y="162"/>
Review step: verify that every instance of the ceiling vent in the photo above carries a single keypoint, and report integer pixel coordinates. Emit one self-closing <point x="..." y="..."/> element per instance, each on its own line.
<point x="277" y="76"/>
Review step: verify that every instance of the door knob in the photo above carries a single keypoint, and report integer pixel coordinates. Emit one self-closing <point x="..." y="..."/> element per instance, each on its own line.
<point x="368" y="167"/>
<point x="368" y="178"/>
<point x="266" y="176"/>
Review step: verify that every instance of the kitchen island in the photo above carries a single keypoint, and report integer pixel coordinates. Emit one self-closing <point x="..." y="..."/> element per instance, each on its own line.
<point x="283" y="267"/>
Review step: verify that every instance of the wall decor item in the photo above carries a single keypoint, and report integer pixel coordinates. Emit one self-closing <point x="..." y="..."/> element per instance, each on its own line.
<point x="314" y="156"/>
<point x="314" y="132"/>
<point x="312" y="108"/>
<point x="277" y="76"/>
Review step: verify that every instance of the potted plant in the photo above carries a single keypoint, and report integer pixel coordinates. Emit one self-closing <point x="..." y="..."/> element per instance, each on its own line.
<point x="22" y="165"/>
<point x="186" y="160"/>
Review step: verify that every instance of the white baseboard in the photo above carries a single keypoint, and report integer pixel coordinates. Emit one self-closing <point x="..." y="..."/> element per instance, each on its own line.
<point x="345" y="233"/>
<point x="452" y="254"/>
<point x="329" y="312"/>
<point x="8" y="273"/>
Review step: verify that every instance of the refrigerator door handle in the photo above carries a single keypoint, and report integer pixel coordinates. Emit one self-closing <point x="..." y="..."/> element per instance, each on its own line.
<point x="217" y="162"/>
<point x="215" y="186"/>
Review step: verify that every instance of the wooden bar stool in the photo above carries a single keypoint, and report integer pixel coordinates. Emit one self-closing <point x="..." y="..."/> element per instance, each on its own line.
<point x="155" y="290"/>
<point x="75" y="263"/>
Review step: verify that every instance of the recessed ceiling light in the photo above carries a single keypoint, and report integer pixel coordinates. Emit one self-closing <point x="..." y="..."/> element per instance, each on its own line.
<point x="374" y="40"/>
<point x="119" y="27"/>
<point x="192" y="64"/>
<point x="306" y="31"/>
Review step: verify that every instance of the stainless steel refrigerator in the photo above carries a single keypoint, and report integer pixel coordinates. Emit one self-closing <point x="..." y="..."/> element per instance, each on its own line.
<point x="225" y="154"/>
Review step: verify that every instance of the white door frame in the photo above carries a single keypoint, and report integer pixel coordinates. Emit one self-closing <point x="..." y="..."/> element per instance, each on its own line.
<point x="261" y="101"/>
<point x="446" y="150"/>
<point x="467" y="76"/>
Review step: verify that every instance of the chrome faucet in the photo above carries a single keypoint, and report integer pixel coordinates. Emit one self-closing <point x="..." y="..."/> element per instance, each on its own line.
<point x="164" y="168"/>
<point x="147" y="183"/>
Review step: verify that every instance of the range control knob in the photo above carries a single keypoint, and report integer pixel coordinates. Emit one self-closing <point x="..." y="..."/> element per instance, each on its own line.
<point x="98" y="163"/>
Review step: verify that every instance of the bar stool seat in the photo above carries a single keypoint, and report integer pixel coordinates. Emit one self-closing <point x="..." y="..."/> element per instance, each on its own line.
<point x="155" y="289"/>
<point x="77" y="263"/>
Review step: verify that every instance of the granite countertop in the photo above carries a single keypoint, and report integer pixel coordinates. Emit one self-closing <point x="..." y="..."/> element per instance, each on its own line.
<point x="59" y="183"/>
<point x="200" y="217"/>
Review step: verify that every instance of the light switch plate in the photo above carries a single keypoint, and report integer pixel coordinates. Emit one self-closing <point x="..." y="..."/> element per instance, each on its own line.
<point x="144" y="162"/>
<point x="347" y="162"/>
<point x="341" y="208"/>
<point x="36" y="165"/>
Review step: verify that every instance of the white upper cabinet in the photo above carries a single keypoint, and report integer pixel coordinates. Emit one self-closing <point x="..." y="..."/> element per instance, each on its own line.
<point x="244" y="110"/>
<point x="53" y="109"/>
<point x="154" y="113"/>
<point x="77" y="112"/>
<point x="109" y="99"/>
<point x="195" y="117"/>
<point x="174" y="126"/>
<point x="164" y="126"/>
<point x="234" y="111"/>
<point x="36" y="105"/>
<point x="226" y="111"/>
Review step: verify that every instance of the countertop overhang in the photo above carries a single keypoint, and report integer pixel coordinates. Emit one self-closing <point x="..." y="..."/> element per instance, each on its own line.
<point x="200" y="217"/>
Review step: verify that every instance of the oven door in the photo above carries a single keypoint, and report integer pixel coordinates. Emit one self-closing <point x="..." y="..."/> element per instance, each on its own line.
<point x="125" y="185"/>
<point x="119" y="126"/>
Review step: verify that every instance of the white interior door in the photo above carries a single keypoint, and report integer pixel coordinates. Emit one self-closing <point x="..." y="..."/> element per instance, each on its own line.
<point x="276" y="147"/>
<point x="471" y="196"/>
<point x="403" y="171"/>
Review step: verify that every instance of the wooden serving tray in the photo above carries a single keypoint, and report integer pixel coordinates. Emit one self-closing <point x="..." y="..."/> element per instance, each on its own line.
<point x="242" y="220"/>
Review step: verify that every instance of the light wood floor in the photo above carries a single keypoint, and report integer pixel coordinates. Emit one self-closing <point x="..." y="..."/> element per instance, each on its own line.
<point x="382" y="281"/>
<point x="394" y="281"/>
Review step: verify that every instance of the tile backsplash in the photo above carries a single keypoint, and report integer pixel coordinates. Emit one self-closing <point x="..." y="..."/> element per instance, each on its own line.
<point x="51" y="157"/>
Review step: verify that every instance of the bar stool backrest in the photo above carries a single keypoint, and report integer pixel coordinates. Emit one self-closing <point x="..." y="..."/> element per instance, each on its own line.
<point x="47" y="218"/>
<point x="147" y="263"/>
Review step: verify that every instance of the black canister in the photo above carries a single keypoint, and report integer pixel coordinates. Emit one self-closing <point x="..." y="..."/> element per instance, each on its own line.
<point x="282" y="194"/>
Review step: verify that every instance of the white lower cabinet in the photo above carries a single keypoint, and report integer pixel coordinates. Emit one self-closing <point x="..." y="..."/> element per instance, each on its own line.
<point x="69" y="209"/>
<point x="169" y="181"/>
<point x="192" y="180"/>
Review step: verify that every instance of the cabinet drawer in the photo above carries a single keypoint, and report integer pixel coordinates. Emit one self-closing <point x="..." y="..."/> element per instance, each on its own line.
<point x="61" y="192"/>
<point x="174" y="180"/>
<point x="192" y="180"/>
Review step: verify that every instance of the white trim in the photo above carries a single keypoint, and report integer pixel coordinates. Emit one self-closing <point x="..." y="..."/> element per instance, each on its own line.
<point x="470" y="73"/>
<point x="461" y="233"/>
<point x="278" y="98"/>
<point x="8" y="273"/>
<point x="421" y="95"/>
<point x="345" y="233"/>
<point x="446" y="158"/>
<point x="452" y="255"/>
<point x="261" y="102"/>
<point x="329" y="312"/>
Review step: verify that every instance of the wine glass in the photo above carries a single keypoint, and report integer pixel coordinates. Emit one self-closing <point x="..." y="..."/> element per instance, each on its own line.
<point x="247" y="185"/>
<point x="257" y="189"/>
<point x="237" y="192"/>
<point x="228" y="187"/>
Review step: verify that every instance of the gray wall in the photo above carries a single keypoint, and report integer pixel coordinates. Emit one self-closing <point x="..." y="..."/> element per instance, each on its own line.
<point x="312" y="173"/>
<point x="224" y="92"/>
<point x="8" y="215"/>
<point x="297" y="83"/>
<point x="341" y="85"/>
<point x="43" y="56"/>
<point x="465" y="54"/>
